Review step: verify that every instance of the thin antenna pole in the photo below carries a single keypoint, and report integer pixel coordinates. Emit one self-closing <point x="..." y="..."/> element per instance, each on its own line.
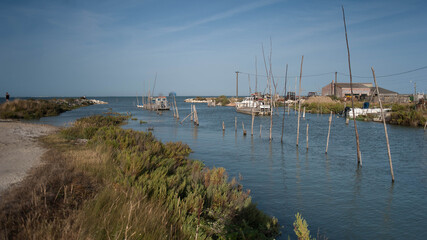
<point x="256" y="75"/>
<point x="359" y="157"/>
<point x="385" y="126"/>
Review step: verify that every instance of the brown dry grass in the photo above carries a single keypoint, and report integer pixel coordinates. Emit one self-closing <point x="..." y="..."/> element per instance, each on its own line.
<point x="45" y="204"/>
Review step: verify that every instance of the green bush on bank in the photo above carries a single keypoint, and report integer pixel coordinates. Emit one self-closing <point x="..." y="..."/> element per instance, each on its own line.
<point x="201" y="200"/>
<point x="223" y="100"/>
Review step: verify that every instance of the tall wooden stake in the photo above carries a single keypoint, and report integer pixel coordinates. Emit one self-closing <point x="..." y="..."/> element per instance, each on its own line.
<point x="329" y="132"/>
<point x="303" y="113"/>
<point x="359" y="155"/>
<point x="235" y="124"/>
<point x="385" y="127"/>
<point x="299" y="99"/>
<point x="284" y="103"/>
<point x="192" y="113"/>
<point x="223" y="126"/>
<point x="295" y="97"/>
<point x="252" y="125"/>
<point x="244" y="130"/>
<point x="307" y="136"/>
<point x="176" y="108"/>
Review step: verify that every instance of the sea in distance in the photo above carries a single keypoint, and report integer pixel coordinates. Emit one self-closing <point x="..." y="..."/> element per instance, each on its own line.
<point x="335" y="196"/>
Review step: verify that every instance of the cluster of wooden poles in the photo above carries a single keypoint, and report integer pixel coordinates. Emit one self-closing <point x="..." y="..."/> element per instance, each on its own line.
<point x="270" y="78"/>
<point x="194" y="117"/>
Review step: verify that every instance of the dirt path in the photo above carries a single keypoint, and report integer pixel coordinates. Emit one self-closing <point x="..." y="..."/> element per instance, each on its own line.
<point x="19" y="150"/>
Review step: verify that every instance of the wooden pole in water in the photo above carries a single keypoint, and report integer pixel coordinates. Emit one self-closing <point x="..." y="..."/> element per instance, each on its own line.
<point x="173" y="109"/>
<point x="176" y="108"/>
<point x="284" y="103"/>
<point x="260" y="130"/>
<point x="329" y="132"/>
<point x="235" y="124"/>
<point x="223" y="126"/>
<point x="307" y="135"/>
<point x="299" y="100"/>
<point x="252" y="125"/>
<point x="359" y="155"/>
<point x="186" y="117"/>
<point x="244" y="130"/>
<point x="303" y="113"/>
<point x="192" y="113"/>
<point x="385" y="127"/>
<point x="295" y="97"/>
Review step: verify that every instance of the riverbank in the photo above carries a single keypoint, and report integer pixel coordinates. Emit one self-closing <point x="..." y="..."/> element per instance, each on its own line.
<point x="97" y="171"/>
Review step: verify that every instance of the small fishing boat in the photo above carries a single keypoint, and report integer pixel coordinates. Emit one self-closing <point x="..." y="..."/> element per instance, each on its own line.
<point x="157" y="104"/>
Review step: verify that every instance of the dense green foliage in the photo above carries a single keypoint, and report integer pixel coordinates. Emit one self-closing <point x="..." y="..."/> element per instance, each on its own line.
<point x="195" y="201"/>
<point x="223" y="100"/>
<point x="36" y="109"/>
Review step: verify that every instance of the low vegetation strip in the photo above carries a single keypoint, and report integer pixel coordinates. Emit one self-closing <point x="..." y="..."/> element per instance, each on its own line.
<point x="38" y="108"/>
<point x="135" y="187"/>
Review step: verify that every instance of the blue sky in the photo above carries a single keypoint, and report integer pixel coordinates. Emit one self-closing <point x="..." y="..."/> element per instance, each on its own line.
<point x="115" y="48"/>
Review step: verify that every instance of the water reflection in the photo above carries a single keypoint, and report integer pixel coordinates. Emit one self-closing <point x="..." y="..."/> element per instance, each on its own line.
<point x="195" y="132"/>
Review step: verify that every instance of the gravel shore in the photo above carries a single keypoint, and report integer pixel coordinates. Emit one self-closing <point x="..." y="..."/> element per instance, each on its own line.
<point x="19" y="150"/>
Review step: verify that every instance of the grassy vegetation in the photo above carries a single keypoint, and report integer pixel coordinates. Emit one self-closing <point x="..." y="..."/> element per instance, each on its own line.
<point x="38" y="108"/>
<point x="326" y="108"/>
<point x="223" y="100"/>
<point x="200" y="98"/>
<point x="125" y="184"/>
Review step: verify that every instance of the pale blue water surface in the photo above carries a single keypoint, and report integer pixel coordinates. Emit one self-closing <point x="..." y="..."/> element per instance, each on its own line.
<point x="336" y="197"/>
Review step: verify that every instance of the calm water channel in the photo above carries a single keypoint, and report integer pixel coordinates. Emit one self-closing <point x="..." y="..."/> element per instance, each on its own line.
<point x="336" y="197"/>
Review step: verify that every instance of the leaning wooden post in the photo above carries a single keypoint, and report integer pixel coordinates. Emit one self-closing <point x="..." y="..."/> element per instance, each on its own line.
<point x="329" y="132"/>
<point x="307" y="135"/>
<point x="299" y="100"/>
<point x="192" y="113"/>
<point x="284" y="103"/>
<point x="173" y="109"/>
<point x="252" y="125"/>
<point x="385" y="127"/>
<point x="260" y="130"/>
<point x="359" y="155"/>
<point x="176" y="108"/>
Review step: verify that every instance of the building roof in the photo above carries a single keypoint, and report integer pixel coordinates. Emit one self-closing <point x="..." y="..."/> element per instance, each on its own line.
<point x="355" y="85"/>
<point x="382" y="91"/>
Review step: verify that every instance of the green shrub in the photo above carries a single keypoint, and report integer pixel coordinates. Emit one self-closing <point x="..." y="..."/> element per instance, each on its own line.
<point x="223" y="100"/>
<point x="201" y="200"/>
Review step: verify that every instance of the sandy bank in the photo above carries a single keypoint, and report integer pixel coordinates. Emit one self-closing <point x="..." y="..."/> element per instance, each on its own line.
<point x="19" y="149"/>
